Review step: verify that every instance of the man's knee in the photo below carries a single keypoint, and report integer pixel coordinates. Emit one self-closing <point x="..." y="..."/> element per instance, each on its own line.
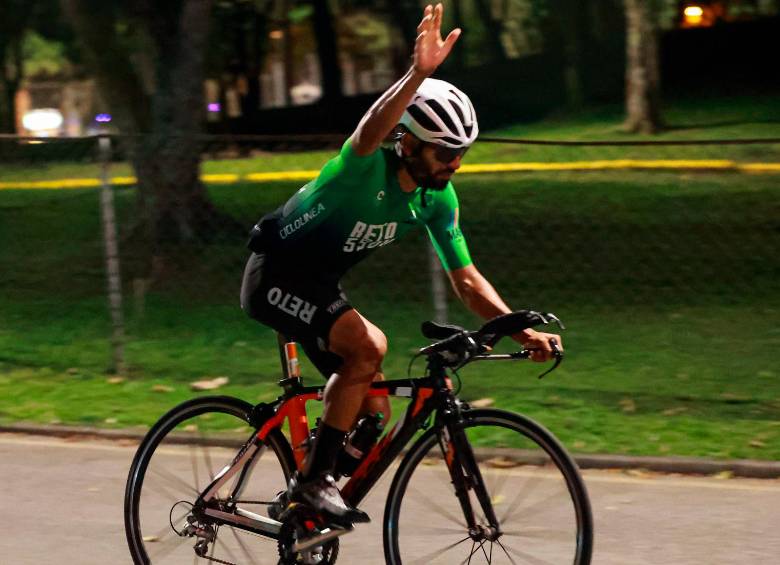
<point x="360" y="343"/>
<point x="369" y="348"/>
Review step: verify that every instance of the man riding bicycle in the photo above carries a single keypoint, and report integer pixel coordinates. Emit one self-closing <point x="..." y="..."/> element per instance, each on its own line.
<point x="363" y="199"/>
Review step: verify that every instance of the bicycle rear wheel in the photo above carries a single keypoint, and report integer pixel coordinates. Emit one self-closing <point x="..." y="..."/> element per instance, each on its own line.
<point x="534" y="486"/>
<point x="177" y="459"/>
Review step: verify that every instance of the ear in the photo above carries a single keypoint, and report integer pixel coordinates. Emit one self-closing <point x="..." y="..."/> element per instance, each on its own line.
<point x="408" y="144"/>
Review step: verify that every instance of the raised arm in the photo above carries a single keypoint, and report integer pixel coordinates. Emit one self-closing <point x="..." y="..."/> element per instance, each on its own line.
<point x="429" y="52"/>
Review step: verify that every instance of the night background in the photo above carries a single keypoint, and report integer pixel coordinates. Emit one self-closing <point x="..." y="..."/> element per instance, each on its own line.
<point x="625" y="178"/>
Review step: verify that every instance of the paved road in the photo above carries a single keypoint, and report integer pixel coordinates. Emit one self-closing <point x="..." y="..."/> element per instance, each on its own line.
<point x="61" y="502"/>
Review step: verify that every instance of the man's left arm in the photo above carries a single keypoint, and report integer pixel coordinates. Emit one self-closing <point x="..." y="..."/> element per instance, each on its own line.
<point x="480" y="297"/>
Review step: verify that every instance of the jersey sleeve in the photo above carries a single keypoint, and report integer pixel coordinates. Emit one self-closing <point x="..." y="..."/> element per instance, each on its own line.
<point x="349" y="165"/>
<point x="444" y="230"/>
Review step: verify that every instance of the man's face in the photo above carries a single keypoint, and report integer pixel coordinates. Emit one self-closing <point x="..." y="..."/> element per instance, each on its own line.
<point x="431" y="165"/>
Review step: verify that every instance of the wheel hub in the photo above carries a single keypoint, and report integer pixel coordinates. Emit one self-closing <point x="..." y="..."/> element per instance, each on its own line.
<point x="484" y="533"/>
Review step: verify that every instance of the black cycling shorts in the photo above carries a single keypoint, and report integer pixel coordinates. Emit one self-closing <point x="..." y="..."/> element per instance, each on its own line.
<point x="302" y="307"/>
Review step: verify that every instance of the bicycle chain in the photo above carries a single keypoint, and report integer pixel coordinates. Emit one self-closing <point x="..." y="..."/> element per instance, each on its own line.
<point x="216" y="560"/>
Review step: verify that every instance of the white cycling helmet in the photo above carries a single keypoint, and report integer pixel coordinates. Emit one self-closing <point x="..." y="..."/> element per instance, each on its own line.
<point x="440" y="113"/>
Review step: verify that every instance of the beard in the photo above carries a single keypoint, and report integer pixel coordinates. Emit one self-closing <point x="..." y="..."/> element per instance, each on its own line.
<point x="419" y="172"/>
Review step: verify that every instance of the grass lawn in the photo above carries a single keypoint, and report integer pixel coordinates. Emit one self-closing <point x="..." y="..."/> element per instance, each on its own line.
<point x="695" y="119"/>
<point x="669" y="285"/>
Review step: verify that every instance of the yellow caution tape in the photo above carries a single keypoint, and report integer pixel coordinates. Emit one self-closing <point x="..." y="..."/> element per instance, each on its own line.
<point x="616" y="164"/>
<point x="281" y="175"/>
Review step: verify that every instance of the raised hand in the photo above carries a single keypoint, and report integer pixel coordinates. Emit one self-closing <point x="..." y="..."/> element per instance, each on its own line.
<point x="429" y="48"/>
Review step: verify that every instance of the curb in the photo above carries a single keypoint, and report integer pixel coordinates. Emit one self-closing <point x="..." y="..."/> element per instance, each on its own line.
<point x="748" y="468"/>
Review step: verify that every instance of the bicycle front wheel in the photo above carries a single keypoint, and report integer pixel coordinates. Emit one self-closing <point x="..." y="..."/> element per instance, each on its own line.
<point x="177" y="460"/>
<point x="535" y="488"/>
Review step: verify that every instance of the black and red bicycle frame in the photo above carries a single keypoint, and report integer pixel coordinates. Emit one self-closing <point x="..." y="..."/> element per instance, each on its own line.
<point x="427" y="395"/>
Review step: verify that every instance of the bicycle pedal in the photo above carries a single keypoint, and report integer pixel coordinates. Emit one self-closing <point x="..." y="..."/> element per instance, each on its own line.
<point x="321" y="538"/>
<point x="297" y="511"/>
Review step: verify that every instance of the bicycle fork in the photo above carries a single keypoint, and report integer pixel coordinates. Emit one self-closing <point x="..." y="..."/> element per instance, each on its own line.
<point x="466" y="476"/>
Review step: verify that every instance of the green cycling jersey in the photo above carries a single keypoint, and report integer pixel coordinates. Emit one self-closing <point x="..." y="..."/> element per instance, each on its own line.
<point x="355" y="206"/>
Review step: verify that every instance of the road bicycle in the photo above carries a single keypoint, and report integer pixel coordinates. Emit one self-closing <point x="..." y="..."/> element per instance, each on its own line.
<point x="209" y="479"/>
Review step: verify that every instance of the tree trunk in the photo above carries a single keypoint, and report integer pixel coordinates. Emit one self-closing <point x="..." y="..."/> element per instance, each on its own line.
<point x="173" y="203"/>
<point x="327" y="49"/>
<point x="643" y="81"/>
<point x="403" y="14"/>
<point x="11" y="61"/>
<point x="16" y="19"/>
<point x="167" y="162"/>
<point x="494" y="30"/>
<point x="459" y="50"/>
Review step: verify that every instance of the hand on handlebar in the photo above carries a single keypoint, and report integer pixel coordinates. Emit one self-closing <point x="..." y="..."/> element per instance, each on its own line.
<point x="543" y="346"/>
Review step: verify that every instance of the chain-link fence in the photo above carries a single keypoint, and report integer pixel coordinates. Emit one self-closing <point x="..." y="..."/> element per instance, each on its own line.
<point x="614" y="238"/>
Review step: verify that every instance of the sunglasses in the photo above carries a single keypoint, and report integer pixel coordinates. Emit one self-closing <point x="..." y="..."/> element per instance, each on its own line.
<point x="447" y="154"/>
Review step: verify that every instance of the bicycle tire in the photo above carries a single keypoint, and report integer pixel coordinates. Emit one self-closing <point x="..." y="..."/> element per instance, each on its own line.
<point x="557" y="463"/>
<point x="213" y="408"/>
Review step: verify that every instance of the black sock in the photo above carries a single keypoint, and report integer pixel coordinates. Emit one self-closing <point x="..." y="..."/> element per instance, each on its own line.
<point x="324" y="452"/>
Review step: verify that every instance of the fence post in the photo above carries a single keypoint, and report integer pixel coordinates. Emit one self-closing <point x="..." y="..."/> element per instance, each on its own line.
<point x="111" y="254"/>
<point x="438" y="286"/>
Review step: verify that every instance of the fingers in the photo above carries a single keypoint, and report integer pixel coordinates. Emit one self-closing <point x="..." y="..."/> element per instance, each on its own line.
<point x="427" y="19"/>
<point x="437" y="11"/>
<point x="543" y="347"/>
<point x="450" y="41"/>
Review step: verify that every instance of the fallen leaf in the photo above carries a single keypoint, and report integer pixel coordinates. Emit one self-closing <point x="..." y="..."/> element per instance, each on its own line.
<point x="501" y="463"/>
<point x="724" y="475"/>
<point x="482" y="403"/>
<point x="110" y="420"/>
<point x="115" y="380"/>
<point x="162" y="388"/>
<point x="209" y="384"/>
<point x="628" y="405"/>
<point x="757" y="443"/>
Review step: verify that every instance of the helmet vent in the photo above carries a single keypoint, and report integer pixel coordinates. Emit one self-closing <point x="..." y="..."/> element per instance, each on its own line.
<point x="420" y="117"/>
<point x="456" y="95"/>
<point x="458" y="111"/>
<point x="443" y="116"/>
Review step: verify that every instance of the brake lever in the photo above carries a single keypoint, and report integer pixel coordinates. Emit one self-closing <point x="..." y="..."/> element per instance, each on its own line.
<point x="558" y="356"/>
<point x="553" y="318"/>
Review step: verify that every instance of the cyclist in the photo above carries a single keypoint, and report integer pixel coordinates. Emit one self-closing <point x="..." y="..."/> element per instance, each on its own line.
<point x="363" y="199"/>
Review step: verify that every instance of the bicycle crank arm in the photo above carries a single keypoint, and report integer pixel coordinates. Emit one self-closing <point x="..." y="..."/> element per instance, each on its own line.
<point x="323" y="537"/>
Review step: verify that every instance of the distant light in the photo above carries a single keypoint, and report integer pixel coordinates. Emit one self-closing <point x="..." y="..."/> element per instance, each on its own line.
<point x="693" y="12"/>
<point x="45" y="119"/>
<point x="693" y="15"/>
<point x="103" y="118"/>
<point x="214" y="107"/>
<point x="276" y="34"/>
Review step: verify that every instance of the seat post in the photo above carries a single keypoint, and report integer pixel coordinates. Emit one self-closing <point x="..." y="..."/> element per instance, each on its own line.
<point x="288" y="355"/>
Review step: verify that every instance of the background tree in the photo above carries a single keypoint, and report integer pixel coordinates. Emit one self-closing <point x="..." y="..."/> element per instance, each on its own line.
<point x="643" y="75"/>
<point x="327" y="50"/>
<point x="148" y="60"/>
<point x="24" y="28"/>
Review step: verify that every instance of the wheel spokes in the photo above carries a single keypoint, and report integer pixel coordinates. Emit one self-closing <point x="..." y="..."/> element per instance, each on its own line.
<point x="439" y="509"/>
<point x="427" y="558"/>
